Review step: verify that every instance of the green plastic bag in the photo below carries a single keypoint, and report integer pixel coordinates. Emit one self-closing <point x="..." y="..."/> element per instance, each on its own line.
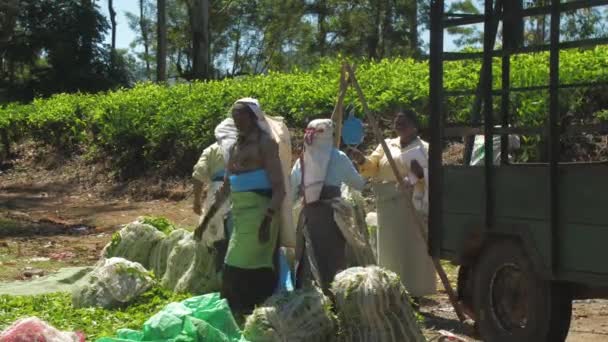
<point x="215" y="311"/>
<point x="198" y="330"/>
<point x="198" y="319"/>
<point x="130" y="335"/>
<point x="166" y="324"/>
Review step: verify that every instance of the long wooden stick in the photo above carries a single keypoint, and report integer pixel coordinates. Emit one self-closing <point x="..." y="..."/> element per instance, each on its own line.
<point x="409" y="206"/>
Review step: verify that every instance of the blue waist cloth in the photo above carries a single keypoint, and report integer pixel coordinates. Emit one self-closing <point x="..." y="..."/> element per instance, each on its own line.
<point x="218" y="176"/>
<point x="250" y="181"/>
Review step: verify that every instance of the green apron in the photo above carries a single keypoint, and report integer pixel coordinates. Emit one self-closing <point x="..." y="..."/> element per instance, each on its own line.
<point x="245" y="249"/>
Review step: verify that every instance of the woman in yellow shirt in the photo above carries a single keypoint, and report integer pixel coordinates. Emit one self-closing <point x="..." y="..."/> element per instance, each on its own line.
<point x="401" y="249"/>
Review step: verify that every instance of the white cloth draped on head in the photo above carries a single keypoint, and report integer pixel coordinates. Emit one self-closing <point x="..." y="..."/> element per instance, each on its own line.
<point x="226" y="132"/>
<point x="254" y="105"/>
<point x="318" y="146"/>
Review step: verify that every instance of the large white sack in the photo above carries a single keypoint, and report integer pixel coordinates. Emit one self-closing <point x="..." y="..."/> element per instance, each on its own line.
<point x="300" y="316"/>
<point x="113" y="283"/>
<point x="134" y="242"/>
<point x="373" y="305"/>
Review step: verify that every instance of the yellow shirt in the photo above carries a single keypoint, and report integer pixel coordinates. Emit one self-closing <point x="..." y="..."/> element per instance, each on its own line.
<point x="377" y="167"/>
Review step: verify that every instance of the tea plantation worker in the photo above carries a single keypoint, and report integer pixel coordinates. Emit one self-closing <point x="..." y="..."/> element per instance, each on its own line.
<point x="318" y="176"/>
<point x="209" y="170"/>
<point x="401" y="248"/>
<point x="254" y="180"/>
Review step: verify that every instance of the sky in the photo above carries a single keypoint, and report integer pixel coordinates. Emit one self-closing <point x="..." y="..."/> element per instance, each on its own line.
<point x="124" y="35"/>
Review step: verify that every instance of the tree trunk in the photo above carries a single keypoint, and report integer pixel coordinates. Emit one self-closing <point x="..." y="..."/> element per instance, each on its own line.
<point x="201" y="45"/>
<point x="374" y="36"/>
<point x="237" y="48"/>
<point x="413" y="27"/>
<point x="113" y="22"/>
<point x="86" y="36"/>
<point x="387" y="31"/>
<point x="143" y="26"/>
<point x="161" y="51"/>
<point x="322" y="12"/>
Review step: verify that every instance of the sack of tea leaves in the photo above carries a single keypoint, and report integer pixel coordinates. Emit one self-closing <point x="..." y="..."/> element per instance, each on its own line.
<point x="349" y="214"/>
<point x="134" y="242"/>
<point x="160" y="253"/>
<point x="113" y="283"/>
<point x="201" y="276"/>
<point x="190" y="266"/>
<point x="300" y="316"/>
<point x="373" y="305"/>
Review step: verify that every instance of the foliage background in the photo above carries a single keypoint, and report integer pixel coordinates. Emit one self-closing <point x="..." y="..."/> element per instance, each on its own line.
<point x="153" y="125"/>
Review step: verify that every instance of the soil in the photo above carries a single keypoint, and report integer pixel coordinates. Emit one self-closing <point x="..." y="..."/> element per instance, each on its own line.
<point x="56" y="213"/>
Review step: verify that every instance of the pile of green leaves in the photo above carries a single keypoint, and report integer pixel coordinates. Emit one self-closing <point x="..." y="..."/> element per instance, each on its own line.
<point x="152" y="125"/>
<point x="57" y="310"/>
<point x="160" y="223"/>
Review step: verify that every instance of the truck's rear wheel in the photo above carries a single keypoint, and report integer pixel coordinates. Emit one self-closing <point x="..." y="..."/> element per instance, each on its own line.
<point x="513" y="303"/>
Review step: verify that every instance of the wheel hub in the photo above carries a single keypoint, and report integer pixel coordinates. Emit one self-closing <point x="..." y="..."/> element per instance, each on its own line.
<point x="509" y="298"/>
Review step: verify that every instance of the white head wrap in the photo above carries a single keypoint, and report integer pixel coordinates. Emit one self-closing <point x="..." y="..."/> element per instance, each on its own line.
<point x="254" y="105"/>
<point x="318" y="145"/>
<point x="226" y="132"/>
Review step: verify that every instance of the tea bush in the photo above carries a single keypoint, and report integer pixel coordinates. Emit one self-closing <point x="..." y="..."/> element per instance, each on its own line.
<point x="152" y="125"/>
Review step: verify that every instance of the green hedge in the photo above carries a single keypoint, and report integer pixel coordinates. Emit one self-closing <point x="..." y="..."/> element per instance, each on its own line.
<point x="151" y="125"/>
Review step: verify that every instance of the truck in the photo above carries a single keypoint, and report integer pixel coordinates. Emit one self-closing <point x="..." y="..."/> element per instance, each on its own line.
<point x="528" y="238"/>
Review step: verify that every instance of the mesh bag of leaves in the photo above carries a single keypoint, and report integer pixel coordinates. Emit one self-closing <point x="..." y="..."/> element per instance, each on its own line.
<point x="373" y="305"/>
<point x="190" y="266"/>
<point x="134" y="242"/>
<point x="201" y="276"/>
<point x="303" y="315"/>
<point x="161" y="251"/>
<point x="361" y="254"/>
<point x="114" y="283"/>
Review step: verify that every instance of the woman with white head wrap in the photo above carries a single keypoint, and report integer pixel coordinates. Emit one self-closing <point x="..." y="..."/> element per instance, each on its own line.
<point x="320" y="173"/>
<point x="401" y="248"/>
<point x="255" y="182"/>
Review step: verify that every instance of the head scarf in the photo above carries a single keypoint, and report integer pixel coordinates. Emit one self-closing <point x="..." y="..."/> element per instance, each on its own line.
<point x="318" y="145"/>
<point x="254" y="105"/>
<point x="226" y="132"/>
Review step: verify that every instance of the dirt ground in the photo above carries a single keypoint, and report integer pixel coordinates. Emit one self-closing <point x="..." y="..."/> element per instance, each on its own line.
<point x="51" y="219"/>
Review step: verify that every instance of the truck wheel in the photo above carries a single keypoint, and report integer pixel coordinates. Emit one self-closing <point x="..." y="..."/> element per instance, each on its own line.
<point x="513" y="303"/>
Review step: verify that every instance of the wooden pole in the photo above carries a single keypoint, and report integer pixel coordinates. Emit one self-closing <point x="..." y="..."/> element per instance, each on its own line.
<point x="338" y="114"/>
<point x="409" y="206"/>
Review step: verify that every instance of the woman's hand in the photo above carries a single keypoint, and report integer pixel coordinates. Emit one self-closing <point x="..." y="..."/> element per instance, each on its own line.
<point x="356" y="155"/>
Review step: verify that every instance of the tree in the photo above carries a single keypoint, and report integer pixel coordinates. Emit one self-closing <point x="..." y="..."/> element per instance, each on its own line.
<point x="412" y="19"/>
<point x="198" y="12"/>
<point x="51" y="46"/>
<point x="373" y="28"/>
<point x="161" y="52"/>
<point x="144" y="27"/>
<point x="466" y="35"/>
<point x="113" y="23"/>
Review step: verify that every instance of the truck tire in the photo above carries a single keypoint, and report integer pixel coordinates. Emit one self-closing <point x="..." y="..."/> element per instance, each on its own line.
<point x="511" y="301"/>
